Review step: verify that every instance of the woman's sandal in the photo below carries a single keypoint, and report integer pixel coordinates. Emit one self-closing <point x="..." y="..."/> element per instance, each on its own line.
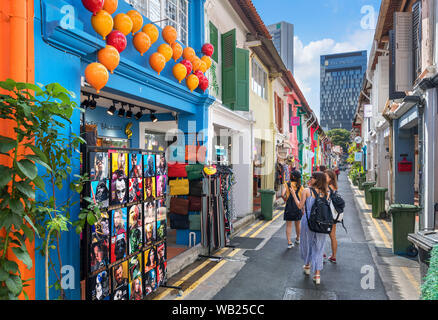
<point x="306" y="270"/>
<point x="317" y="279"/>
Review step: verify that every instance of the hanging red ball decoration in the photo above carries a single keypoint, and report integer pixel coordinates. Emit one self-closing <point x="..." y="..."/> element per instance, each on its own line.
<point x="204" y="83"/>
<point x="208" y="49"/>
<point x="93" y="5"/>
<point x="117" y="40"/>
<point x="188" y="65"/>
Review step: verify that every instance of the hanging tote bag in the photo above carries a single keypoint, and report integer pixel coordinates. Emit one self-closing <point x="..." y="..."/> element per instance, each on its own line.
<point x="195" y="203"/>
<point x="179" y="222"/>
<point x="179" y="187"/>
<point x="177" y="170"/>
<point x="195" y="222"/>
<point x="196" y="188"/>
<point x="194" y="171"/>
<point x="179" y="206"/>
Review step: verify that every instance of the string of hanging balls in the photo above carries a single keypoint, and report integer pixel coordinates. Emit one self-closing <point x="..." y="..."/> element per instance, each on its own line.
<point x="115" y="30"/>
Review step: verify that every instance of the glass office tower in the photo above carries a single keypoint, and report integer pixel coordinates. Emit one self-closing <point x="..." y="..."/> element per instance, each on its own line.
<point x="341" y="81"/>
<point x="283" y="37"/>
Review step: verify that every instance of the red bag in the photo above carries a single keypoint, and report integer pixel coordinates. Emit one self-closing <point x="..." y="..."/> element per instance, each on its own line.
<point x="179" y="206"/>
<point x="177" y="170"/>
<point x="195" y="203"/>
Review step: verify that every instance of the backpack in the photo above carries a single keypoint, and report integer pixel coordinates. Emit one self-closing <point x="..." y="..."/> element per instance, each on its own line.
<point x="321" y="218"/>
<point x="339" y="205"/>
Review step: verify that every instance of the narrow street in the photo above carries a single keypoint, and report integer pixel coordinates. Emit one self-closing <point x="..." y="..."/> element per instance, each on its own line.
<point x="262" y="268"/>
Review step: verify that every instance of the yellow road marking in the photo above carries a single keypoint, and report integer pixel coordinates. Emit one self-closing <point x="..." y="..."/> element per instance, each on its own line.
<point x="263" y="227"/>
<point x="252" y="228"/>
<point x="411" y="278"/>
<point x="387" y="226"/>
<point x="385" y="223"/>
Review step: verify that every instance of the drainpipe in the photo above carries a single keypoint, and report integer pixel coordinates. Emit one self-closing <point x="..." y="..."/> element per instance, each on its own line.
<point x="421" y="107"/>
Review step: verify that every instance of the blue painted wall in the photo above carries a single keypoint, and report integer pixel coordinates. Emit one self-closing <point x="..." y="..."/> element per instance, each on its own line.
<point x="134" y="78"/>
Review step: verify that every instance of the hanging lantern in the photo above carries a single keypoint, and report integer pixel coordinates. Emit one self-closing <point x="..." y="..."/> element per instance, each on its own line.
<point x="110" y="6"/>
<point x="169" y="34"/>
<point x="117" y="40"/>
<point x="208" y="49"/>
<point x="207" y="60"/>
<point x="203" y="67"/>
<point x="177" y="50"/>
<point x="93" y="5"/>
<point x="192" y="82"/>
<point x="157" y="62"/>
<point x="96" y="75"/>
<point x="152" y="32"/>
<point x="102" y="23"/>
<point x="123" y="23"/>
<point x="179" y="72"/>
<point x="189" y="54"/>
<point x="196" y="62"/>
<point x="137" y="20"/>
<point x="204" y="83"/>
<point x="188" y="65"/>
<point x="141" y="42"/>
<point x="109" y="57"/>
<point x="166" y="51"/>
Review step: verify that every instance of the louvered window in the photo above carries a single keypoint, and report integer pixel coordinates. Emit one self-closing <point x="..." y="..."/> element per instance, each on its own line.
<point x="416" y="37"/>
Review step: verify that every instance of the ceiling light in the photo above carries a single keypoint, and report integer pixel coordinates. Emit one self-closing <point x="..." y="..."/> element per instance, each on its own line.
<point x="92" y="104"/>
<point x="112" y="109"/>
<point x="122" y="111"/>
<point x="85" y="104"/>
<point x="153" y="117"/>
<point x="129" y="113"/>
<point x="139" y="115"/>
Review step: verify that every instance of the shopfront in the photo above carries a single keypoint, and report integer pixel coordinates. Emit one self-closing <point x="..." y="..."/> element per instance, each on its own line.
<point x="131" y="114"/>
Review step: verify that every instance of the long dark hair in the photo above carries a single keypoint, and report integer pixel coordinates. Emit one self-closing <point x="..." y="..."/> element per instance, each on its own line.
<point x="296" y="177"/>
<point x="321" y="182"/>
<point x="333" y="178"/>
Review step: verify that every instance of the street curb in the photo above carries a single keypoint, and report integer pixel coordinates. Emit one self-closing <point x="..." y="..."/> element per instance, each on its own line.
<point x="387" y="284"/>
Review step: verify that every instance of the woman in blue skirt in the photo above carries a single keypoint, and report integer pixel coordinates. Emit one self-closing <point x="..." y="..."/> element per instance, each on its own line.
<point x="312" y="243"/>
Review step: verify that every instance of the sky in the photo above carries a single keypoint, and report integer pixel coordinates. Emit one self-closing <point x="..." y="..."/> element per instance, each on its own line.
<point x="321" y="27"/>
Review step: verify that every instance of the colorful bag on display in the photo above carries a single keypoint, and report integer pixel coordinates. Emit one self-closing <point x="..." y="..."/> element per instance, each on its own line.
<point x="196" y="188"/>
<point x="194" y="171"/>
<point x="179" y="206"/>
<point x="195" y="203"/>
<point x="179" y="187"/>
<point x="195" y="222"/>
<point x="177" y="170"/>
<point x="196" y="153"/>
<point x="179" y="222"/>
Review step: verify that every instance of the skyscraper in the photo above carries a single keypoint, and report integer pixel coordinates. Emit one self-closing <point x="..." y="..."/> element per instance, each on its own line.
<point x="283" y="38"/>
<point x="341" y="81"/>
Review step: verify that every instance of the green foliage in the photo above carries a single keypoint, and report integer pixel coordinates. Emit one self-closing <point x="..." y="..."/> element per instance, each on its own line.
<point x="429" y="289"/>
<point x="340" y="137"/>
<point x="39" y="115"/>
<point x="213" y="83"/>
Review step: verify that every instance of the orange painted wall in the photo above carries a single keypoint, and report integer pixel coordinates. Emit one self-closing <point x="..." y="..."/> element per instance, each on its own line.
<point x="17" y="62"/>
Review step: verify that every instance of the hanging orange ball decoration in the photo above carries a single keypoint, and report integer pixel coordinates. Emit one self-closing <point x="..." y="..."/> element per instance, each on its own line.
<point x="192" y="82"/>
<point x="179" y="72"/>
<point x="110" y="6"/>
<point x="177" y="50"/>
<point x="102" y="23"/>
<point x="203" y="67"/>
<point x="189" y="53"/>
<point x="123" y="23"/>
<point x="109" y="57"/>
<point x="157" y="62"/>
<point x="196" y="62"/>
<point x="152" y="32"/>
<point x="137" y="20"/>
<point x="166" y="51"/>
<point x="96" y="75"/>
<point x="207" y="60"/>
<point x="141" y="42"/>
<point x="169" y="34"/>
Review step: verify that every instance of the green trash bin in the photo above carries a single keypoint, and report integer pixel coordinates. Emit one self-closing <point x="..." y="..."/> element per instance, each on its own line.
<point x="267" y="203"/>
<point x="378" y="202"/>
<point x="403" y="223"/>
<point x="367" y="186"/>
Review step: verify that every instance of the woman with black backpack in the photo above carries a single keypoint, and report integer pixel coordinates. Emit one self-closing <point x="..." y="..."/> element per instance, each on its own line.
<point x="312" y="243"/>
<point x="333" y="187"/>
<point x="291" y="211"/>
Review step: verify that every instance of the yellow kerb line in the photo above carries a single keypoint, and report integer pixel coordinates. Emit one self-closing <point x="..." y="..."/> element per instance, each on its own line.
<point x="411" y="278"/>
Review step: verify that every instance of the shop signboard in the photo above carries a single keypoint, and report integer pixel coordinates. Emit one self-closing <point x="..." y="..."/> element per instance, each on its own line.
<point x="295" y="121"/>
<point x="358" y="156"/>
<point x="368" y="111"/>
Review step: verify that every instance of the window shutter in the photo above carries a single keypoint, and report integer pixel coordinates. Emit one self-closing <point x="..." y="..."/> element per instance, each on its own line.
<point x="214" y="40"/>
<point x="416" y="37"/>
<point x="242" y="67"/>
<point x="403" y="51"/>
<point x="229" y="75"/>
<point x="393" y="94"/>
<point x="290" y="118"/>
